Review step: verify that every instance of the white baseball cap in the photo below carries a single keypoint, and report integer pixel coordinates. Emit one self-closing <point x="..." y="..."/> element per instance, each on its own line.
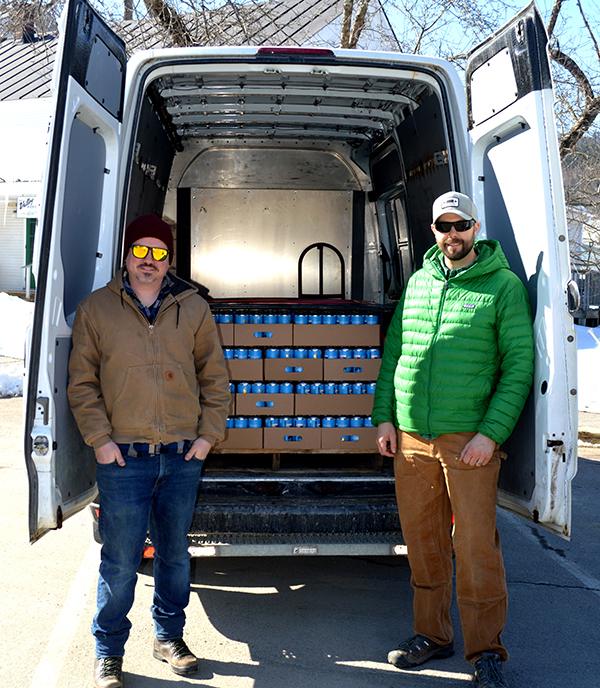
<point x="456" y="203"/>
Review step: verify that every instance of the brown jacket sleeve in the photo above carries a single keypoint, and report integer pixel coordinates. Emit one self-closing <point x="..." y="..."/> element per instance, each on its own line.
<point x="83" y="390"/>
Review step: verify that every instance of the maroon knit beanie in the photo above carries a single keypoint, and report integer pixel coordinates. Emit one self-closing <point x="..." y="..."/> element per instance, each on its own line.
<point x="149" y="226"/>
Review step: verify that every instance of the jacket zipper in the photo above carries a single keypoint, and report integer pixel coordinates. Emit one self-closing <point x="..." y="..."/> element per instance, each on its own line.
<point x="437" y="332"/>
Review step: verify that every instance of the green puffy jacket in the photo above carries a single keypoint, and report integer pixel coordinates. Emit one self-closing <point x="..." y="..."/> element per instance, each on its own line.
<point x="458" y="355"/>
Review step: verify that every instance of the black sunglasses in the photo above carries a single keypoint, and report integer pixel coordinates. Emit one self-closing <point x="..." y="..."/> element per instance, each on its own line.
<point x="461" y="226"/>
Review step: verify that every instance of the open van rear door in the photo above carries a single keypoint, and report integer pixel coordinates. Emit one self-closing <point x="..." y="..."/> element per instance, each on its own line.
<point x="75" y="253"/>
<point x="517" y="179"/>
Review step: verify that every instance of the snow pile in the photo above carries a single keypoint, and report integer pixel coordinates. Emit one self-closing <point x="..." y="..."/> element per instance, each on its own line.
<point x="16" y="314"/>
<point x="15" y="317"/>
<point x="588" y="365"/>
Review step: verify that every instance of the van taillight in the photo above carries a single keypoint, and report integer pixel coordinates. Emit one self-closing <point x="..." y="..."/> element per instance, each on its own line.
<point x="314" y="52"/>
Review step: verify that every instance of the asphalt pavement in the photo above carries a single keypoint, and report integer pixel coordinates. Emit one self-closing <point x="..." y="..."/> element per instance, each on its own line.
<point x="313" y="622"/>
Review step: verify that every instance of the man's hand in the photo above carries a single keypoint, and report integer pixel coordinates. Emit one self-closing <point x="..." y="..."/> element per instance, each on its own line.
<point x="108" y="453"/>
<point x="478" y="451"/>
<point x="199" y="450"/>
<point x="386" y="439"/>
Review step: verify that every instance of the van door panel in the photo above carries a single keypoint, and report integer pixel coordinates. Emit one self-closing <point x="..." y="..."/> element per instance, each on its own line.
<point x="75" y="253"/>
<point x="517" y="179"/>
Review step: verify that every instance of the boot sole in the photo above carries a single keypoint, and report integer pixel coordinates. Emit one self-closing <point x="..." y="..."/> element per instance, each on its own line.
<point x="180" y="671"/>
<point x="402" y="663"/>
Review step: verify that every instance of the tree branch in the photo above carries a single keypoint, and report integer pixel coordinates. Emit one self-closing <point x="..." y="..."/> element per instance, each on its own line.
<point x="346" y="23"/>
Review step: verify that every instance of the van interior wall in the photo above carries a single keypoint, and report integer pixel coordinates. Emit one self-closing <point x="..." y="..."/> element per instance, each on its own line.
<point x="425" y="156"/>
<point x="151" y="165"/>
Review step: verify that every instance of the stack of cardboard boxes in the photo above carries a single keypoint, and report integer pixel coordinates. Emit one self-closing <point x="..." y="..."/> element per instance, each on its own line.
<point x="290" y="372"/>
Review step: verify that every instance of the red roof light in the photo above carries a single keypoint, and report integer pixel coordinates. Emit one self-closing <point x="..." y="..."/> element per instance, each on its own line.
<point x="315" y="52"/>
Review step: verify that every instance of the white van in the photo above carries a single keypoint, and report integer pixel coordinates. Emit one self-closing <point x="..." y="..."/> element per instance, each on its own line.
<point x="299" y="184"/>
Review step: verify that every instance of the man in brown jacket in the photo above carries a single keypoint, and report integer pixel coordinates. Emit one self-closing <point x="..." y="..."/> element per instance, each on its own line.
<point x="149" y="391"/>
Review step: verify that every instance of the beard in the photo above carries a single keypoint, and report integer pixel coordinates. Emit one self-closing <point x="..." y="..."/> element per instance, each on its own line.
<point x="458" y="252"/>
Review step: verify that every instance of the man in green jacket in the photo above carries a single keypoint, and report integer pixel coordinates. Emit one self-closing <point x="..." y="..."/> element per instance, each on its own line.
<point x="455" y="374"/>
<point x="149" y="391"/>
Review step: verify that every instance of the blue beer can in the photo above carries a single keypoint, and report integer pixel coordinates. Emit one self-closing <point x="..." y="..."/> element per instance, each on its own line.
<point x="271" y="422"/>
<point x="328" y="422"/>
<point x="272" y="388"/>
<point x="317" y="388"/>
<point x="331" y="388"/>
<point x="286" y="353"/>
<point x="332" y="353"/>
<point x="302" y="388"/>
<point x="229" y="423"/>
<point x="241" y="318"/>
<point x="357" y="422"/>
<point x="301" y="318"/>
<point x="373" y="353"/>
<point x="228" y="353"/>
<point x="240" y="422"/>
<point x="300" y="353"/>
<point x="344" y="388"/>
<point x="329" y="319"/>
<point x="284" y="318"/>
<point x="345" y="353"/>
<point x="244" y="388"/>
<point x="286" y="388"/>
<point x="357" y="319"/>
<point x="272" y="353"/>
<point x="255" y="422"/>
<point x="370" y="388"/>
<point x="258" y="388"/>
<point x="315" y="319"/>
<point x="368" y="422"/>
<point x="286" y="422"/>
<point x="299" y="422"/>
<point x="255" y="354"/>
<point x="269" y="318"/>
<point x="359" y="353"/>
<point x="313" y="422"/>
<point x="342" y="422"/>
<point x="343" y="319"/>
<point x="255" y="319"/>
<point x="315" y="353"/>
<point x="371" y="319"/>
<point x="241" y="353"/>
<point x="358" y="388"/>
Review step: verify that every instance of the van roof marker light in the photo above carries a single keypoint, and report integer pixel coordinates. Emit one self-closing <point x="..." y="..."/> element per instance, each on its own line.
<point x="313" y="52"/>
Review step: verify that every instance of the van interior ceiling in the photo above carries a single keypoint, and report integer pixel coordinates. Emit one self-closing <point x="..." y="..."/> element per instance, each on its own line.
<point x="285" y="163"/>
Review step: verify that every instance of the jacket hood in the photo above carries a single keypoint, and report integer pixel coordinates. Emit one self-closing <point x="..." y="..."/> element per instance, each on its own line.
<point x="490" y="257"/>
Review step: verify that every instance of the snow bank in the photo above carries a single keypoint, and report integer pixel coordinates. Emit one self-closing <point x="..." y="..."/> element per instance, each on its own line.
<point x="15" y="316"/>
<point x="588" y="368"/>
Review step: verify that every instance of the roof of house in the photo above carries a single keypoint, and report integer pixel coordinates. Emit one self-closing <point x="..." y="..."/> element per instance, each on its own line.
<point x="26" y="64"/>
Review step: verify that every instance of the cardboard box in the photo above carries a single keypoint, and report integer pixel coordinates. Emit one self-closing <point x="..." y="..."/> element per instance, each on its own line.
<point x="294" y="369"/>
<point x="349" y="369"/>
<point x="242" y="438"/>
<point x="349" y="438"/>
<point x="336" y="335"/>
<point x="225" y="332"/>
<point x="263" y="335"/>
<point x="268" y="404"/>
<point x="334" y="404"/>
<point x="292" y="439"/>
<point x="245" y="369"/>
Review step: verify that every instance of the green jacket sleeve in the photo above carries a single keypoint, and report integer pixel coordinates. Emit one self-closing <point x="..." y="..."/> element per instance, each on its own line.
<point x="515" y="345"/>
<point x="384" y="403"/>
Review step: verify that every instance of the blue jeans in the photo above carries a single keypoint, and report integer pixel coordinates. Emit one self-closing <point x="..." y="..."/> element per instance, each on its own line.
<point x="155" y="493"/>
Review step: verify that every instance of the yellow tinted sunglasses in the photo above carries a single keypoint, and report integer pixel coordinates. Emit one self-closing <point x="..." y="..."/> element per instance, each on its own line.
<point x="159" y="254"/>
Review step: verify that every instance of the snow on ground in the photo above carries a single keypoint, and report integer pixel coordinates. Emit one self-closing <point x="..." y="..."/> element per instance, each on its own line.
<point x="15" y="315"/>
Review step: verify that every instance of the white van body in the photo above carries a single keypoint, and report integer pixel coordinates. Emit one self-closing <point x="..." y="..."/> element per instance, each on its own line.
<point x="299" y="181"/>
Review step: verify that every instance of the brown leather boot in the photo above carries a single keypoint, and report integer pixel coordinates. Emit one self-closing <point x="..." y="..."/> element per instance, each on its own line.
<point x="108" y="672"/>
<point x="177" y="654"/>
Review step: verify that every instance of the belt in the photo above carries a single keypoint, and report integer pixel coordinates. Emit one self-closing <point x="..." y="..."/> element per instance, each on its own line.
<point x="143" y="448"/>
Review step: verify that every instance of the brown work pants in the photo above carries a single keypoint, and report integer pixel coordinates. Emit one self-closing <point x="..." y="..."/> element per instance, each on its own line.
<point x="431" y="486"/>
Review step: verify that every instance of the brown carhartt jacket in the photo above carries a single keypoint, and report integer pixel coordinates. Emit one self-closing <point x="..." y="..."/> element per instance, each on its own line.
<point x="130" y="381"/>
